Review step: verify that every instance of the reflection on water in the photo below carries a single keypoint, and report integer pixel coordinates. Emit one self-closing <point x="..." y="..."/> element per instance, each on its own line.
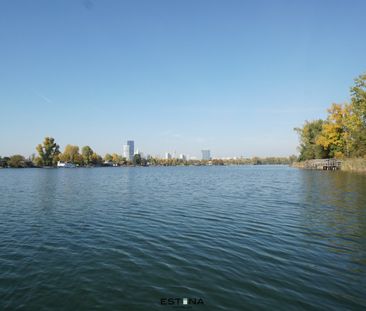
<point x="241" y="238"/>
<point x="335" y="210"/>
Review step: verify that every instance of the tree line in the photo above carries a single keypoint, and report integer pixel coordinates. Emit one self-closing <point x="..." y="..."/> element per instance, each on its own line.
<point x="49" y="154"/>
<point x="342" y="134"/>
<point x="232" y="161"/>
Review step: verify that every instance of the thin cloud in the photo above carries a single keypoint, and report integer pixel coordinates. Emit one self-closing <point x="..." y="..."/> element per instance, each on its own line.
<point x="42" y="96"/>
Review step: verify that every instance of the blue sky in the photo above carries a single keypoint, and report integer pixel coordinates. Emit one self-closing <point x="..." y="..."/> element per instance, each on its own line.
<point x="232" y="76"/>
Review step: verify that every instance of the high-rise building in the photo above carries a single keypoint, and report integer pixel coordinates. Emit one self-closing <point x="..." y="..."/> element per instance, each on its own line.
<point x="131" y="143"/>
<point x="206" y="155"/>
<point x="168" y="156"/>
<point x="126" y="152"/>
<point x="129" y="150"/>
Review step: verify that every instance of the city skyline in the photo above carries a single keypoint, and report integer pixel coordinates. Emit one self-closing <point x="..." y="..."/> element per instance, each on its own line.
<point x="128" y="152"/>
<point x="233" y="77"/>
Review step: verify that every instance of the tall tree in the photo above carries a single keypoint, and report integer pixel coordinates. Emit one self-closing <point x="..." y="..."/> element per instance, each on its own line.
<point x="87" y="153"/>
<point x="136" y="159"/>
<point x="48" y="152"/>
<point x="352" y="124"/>
<point x="358" y="100"/>
<point x="308" y="135"/>
<point x="358" y="96"/>
<point x="334" y="135"/>
<point x="71" y="154"/>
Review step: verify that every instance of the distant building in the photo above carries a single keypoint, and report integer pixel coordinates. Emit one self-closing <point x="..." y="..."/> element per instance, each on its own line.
<point x="168" y="156"/>
<point x="206" y="155"/>
<point x="182" y="157"/>
<point x="131" y="143"/>
<point x="126" y="152"/>
<point x="129" y="150"/>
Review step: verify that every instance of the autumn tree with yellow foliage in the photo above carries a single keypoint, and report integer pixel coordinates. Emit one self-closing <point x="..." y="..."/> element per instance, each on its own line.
<point x="343" y="134"/>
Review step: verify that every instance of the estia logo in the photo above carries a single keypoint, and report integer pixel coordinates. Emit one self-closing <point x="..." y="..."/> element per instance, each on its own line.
<point x="181" y="301"/>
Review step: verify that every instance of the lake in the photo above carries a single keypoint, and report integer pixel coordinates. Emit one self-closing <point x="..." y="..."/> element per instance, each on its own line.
<point x="228" y="238"/>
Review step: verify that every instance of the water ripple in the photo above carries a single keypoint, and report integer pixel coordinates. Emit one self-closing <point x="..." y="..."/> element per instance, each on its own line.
<point x="241" y="238"/>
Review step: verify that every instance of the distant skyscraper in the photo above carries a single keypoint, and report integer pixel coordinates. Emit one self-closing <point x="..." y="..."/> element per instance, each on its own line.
<point x="126" y="152"/>
<point x="131" y="143"/>
<point x="206" y="155"/>
<point x="129" y="150"/>
<point x="168" y="156"/>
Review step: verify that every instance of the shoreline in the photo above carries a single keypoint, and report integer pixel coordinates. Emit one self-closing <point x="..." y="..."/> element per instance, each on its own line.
<point x="355" y="165"/>
<point x="132" y="166"/>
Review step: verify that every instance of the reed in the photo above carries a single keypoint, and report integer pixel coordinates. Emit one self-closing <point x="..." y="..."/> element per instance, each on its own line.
<point x="354" y="165"/>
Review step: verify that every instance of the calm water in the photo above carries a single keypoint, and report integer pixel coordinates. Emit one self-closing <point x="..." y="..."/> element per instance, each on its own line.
<point x="240" y="238"/>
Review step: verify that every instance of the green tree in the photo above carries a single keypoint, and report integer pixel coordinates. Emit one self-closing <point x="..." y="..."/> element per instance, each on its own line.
<point x="136" y="159"/>
<point x="87" y="153"/>
<point x="308" y="135"/>
<point x="78" y="159"/>
<point x="358" y="96"/>
<point x="48" y="152"/>
<point x="96" y="159"/>
<point x="292" y="159"/>
<point x="358" y="100"/>
<point x="108" y="157"/>
<point x="116" y="158"/>
<point x="71" y="154"/>
<point x="38" y="161"/>
<point x="17" y="161"/>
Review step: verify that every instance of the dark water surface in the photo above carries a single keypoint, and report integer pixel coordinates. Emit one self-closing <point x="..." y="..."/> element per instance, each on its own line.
<point x="240" y="238"/>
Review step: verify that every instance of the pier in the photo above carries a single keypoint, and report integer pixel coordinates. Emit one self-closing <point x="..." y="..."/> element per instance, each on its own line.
<point x="323" y="164"/>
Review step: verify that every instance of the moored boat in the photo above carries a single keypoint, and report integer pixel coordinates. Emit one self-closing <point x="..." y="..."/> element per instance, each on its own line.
<point x="65" y="164"/>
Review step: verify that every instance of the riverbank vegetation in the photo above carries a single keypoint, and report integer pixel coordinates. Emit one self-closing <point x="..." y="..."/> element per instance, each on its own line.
<point x="354" y="165"/>
<point x="342" y="135"/>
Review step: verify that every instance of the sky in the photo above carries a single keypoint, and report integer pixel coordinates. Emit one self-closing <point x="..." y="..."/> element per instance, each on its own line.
<point x="231" y="76"/>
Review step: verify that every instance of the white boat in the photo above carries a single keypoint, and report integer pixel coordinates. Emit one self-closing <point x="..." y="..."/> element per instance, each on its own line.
<point x="65" y="164"/>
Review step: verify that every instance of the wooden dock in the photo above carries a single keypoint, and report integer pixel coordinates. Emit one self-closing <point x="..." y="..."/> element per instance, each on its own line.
<point x="323" y="164"/>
